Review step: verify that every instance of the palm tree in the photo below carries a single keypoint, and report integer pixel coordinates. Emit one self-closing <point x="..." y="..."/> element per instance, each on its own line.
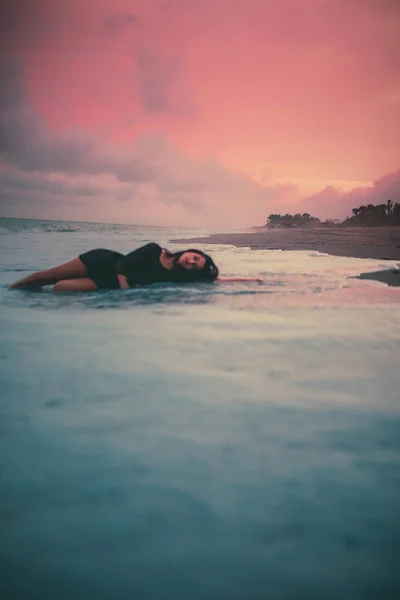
<point x="363" y="211"/>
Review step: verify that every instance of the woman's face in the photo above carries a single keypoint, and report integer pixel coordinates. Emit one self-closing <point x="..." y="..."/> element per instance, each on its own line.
<point x="191" y="261"/>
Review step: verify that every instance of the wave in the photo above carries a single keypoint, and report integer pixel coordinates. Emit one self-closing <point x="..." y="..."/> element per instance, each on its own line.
<point x="37" y="227"/>
<point x="8" y="225"/>
<point x="15" y="270"/>
<point x="60" y="229"/>
<point x="157" y="295"/>
<point x="12" y="225"/>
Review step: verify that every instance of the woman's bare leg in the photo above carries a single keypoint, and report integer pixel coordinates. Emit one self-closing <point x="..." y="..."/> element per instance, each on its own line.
<point x="83" y="284"/>
<point x="74" y="269"/>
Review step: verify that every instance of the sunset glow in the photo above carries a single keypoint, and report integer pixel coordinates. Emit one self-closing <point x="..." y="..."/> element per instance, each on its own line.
<point x="198" y="112"/>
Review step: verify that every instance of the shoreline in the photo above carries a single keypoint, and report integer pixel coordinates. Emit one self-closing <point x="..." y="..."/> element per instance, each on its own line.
<point x="377" y="243"/>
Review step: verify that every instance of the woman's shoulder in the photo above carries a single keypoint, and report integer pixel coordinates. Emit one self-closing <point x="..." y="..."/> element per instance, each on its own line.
<point x="148" y="251"/>
<point x="150" y="247"/>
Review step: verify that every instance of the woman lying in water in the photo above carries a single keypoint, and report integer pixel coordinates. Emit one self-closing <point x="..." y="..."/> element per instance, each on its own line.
<point x="105" y="269"/>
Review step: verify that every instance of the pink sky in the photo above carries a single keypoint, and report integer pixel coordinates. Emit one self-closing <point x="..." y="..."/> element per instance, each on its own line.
<point x="198" y="112"/>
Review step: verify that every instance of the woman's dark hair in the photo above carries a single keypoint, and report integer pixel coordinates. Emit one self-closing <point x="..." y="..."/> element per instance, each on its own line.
<point x="208" y="273"/>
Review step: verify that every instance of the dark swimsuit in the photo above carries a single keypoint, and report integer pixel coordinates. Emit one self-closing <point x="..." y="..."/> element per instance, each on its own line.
<point x="100" y="264"/>
<point x="142" y="266"/>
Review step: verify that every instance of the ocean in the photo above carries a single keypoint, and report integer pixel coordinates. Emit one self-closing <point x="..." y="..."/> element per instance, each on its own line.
<point x="210" y="441"/>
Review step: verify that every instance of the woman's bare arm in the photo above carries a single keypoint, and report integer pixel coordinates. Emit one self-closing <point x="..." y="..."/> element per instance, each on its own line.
<point x="231" y="279"/>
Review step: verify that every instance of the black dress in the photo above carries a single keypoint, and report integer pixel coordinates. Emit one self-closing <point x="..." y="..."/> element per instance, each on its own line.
<point x="141" y="266"/>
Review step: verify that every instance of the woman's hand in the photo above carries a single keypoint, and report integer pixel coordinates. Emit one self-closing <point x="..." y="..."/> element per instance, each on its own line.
<point x="123" y="282"/>
<point x="231" y="279"/>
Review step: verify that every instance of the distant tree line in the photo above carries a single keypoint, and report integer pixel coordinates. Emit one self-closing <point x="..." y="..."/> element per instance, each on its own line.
<point x="366" y="216"/>
<point x="380" y="214"/>
<point x="296" y="220"/>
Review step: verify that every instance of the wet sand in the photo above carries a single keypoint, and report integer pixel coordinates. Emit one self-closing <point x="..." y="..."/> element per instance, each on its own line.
<point x="380" y="243"/>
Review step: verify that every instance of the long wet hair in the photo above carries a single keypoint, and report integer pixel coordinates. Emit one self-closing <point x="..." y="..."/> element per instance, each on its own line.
<point x="207" y="274"/>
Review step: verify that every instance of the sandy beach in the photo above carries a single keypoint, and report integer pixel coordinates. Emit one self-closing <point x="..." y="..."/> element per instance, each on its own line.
<point x="381" y="243"/>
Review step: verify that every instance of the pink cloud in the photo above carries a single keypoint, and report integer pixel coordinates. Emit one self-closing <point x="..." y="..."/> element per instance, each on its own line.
<point x="71" y="174"/>
<point x="335" y="203"/>
<point x="301" y="91"/>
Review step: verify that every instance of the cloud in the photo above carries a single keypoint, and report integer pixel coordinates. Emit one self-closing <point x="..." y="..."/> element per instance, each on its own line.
<point x="150" y="181"/>
<point x="389" y="7"/>
<point x="27" y="143"/>
<point x="162" y="84"/>
<point x="260" y="82"/>
<point x="119" y="20"/>
<point x="10" y="21"/>
<point x="14" y="179"/>
<point x="332" y="202"/>
<point x="155" y="75"/>
<point x="44" y="165"/>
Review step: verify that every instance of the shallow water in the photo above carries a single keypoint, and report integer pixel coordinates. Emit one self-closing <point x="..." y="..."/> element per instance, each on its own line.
<point x="209" y="441"/>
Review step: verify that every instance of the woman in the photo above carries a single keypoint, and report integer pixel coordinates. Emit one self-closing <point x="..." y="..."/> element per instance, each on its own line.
<point x="106" y="269"/>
